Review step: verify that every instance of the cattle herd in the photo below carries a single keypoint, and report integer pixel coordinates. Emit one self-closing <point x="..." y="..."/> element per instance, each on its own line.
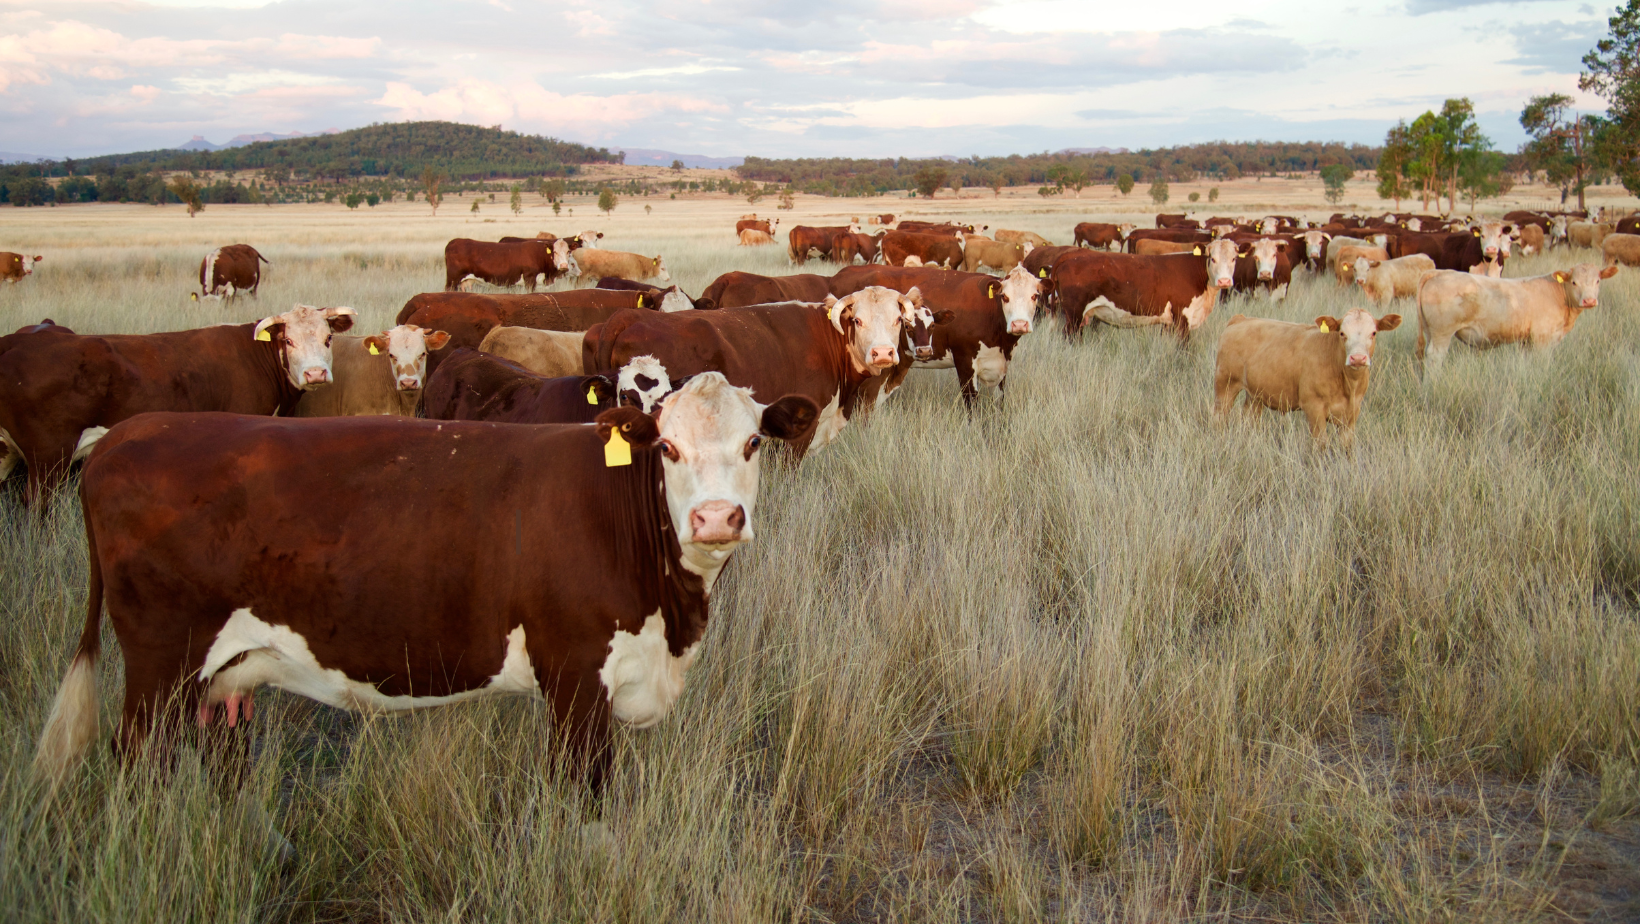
<point x="534" y="492"/>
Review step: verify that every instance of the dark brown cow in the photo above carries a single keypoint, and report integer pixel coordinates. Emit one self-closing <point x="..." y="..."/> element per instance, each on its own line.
<point x="9" y="456"/>
<point x="570" y="564"/>
<point x="988" y="316"/>
<point x="829" y="353"/>
<point x="803" y="240"/>
<point x="929" y="249"/>
<point x="947" y="228"/>
<point x="1178" y="221"/>
<point x="14" y="266"/>
<point x="1465" y="251"/>
<point x="736" y="289"/>
<point x="503" y="264"/>
<point x="468" y="317"/>
<point x="1123" y="290"/>
<point x="59" y="394"/>
<point x="1101" y="235"/>
<point x="227" y="271"/>
<point x="1262" y="264"/>
<point x="671" y="298"/>
<point x="470" y="385"/>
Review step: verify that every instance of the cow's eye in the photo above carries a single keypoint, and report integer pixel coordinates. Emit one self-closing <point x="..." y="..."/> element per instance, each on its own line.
<point x="753" y="443"/>
<point x="327" y="341"/>
<point x="859" y="323"/>
<point x="668" y="450"/>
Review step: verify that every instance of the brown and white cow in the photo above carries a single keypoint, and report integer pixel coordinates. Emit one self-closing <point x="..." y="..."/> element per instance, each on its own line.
<point x="766" y="225"/>
<point x="1102" y="235"/>
<point x="227" y="271"/>
<point x="1346" y="257"/>
<point x="929" y="248"/>
<point x="15" y="266"/>
<point x="1262" y="266"/>
<point x="803" y="241"/>
<point x="1482" y="311"/>
<point x="505" y="264"/>
<point x="752" y="237"/>
<point x="470" y="317"/>
<point x="1322" y="369"/>
<point x="59" y="394"/>
<point x="1173" y="290"/>
<point x="217" y="540"/>
<point x="736" y="289"/>
<point x="379" y="374"/>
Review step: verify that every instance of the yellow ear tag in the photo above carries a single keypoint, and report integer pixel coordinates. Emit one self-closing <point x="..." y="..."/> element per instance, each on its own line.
<point x="1042" y="273"/>
<point x="617" y="451"/>
<point x="374" y="351"/>
<point x="1197" y="251"/>
<point x="592" y="394"/>
<point x="991" y="292"/>
<point x="1324" y="327"/>
<point x="264" y="335"/>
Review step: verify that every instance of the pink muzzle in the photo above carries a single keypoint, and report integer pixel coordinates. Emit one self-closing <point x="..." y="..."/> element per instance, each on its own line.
<point x="717" y="522"/>
<point x="316" y="376"/>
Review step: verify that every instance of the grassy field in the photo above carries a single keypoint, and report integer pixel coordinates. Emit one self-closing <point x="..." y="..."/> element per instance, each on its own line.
<point x="1076" y="656"/>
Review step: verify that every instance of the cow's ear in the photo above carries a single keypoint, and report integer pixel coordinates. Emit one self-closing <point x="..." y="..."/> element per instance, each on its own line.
<point x="1196" y="251"/>
<point x="636" y="427"/>
<point x="1281" y="245"/>
<point x="340" y="319"/>
<point x="265" y="328"/>
<point x="1560" y="276"/>
<point x="375" y="345"/>
<point x="1374" y="264"/>
<point x="790" y="417"/>
<point x="944" y="316"/>
<point x="437" y="340"/>
<point x="705" y="304"/>
<point x="600" y="390"/>
<point x="1609" y="272"/>
<point x="1475" y="231"/>
<point x="837" y="309"/>
<point x="1389" y="322"/>
<point x="1327" y="323"/>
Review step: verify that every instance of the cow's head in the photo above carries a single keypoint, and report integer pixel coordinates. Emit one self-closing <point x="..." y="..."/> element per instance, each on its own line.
<point x="1315" y="244"/>
<point x="1124" y="229"/>
<point x="302" y="336"/>
<point x="560" y="256"/>
<point x="1357" y="333"/>
<point x="1017" y="293"/>
<point x="1494" y="237"/>
<point x="406" y="347"/>
<point x="1221" y="262"/>
<point x="920" y="330"/>
<point x="870" y="321"/>
<point x="642" y="383"/>
<point x="1264" y="254"/>
<point x="673" y="299"/>
<point x="1360" y="268"/>
<point x="1268" y="225"/>
<point x="709" y="434"/>
<point x="1557" y="228"/>
<point x="854" y="227"/>
<point x="590" y="238"/>
<point x="1582" y="284"/>
<point x="658" y="268"/>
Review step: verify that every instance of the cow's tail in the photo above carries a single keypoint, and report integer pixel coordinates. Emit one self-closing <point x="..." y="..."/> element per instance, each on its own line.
<point x="72" y="724"/>
<point x="260" y="257"/>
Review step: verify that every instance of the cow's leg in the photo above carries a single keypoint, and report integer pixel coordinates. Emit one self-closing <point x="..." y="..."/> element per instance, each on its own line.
<point x="581" y="714"/>
<point x="1316" y="413"/>
<point x="1226" y="387"/>
<point x="964" y="361"/>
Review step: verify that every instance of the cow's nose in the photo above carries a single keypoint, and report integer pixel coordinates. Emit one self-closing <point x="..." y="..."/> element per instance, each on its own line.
<point x="318" y="375"/>
<point x="883" y="356"/>
<point x="1360" y="359"/>
<point x="1590" y="302"/>
<point x="1020" y="327"/>
<point x="717" y="522"/>
<point x="409" y="383"/>
<point x="1266" y="277"/>
<point x="1225" y="282"/>
<point x="923" y="353"/>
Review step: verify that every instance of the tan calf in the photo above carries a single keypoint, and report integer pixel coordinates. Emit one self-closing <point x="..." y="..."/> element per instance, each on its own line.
<point x="994" y="254"/>
<point x="751" y="237"/>
<point x="1483" y="312"/>
<point x="377" y="375"/>
<point x="1382" y="280"/>
<point x="543" y="352"/>
<point x="1621" y="248"/>
<point x="1321" y="369"/>
<point x="1022" y="237"/>
<point x="1347" y="255"/>
<point x="1588" y="233"/>
<point x="598" y="264"/>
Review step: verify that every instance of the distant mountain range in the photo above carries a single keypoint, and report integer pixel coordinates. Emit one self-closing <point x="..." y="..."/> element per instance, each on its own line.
<point x="12" y="157"/>
<point x="198" y="142"/>
<point x="1092" y="151"/>
<point x="649" y="157"/>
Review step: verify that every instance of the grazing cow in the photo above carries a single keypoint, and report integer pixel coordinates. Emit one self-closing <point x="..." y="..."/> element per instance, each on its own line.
<point x="1321" y="369"/>
<point x="599" y="264"/>
<point x="671" y="298"/>
<point x="987" y="317"/>
<point x="829" y="354"/>
<point x="505" y="265"/>
<point x="1022" y="237"/>
<point x="219" y="543"/>
<point x="929" y="249"/>
<point x="472" y="385"/>
<point x="994" y="254"/>
<point x="754" y="238"/>
<point x="469" y="318"/>
<point x="1382" y="280"/>
<point x="845" y="247"/>
<point x="14" y="266"/>
<point x="1137" y="291"/>
<point x="380" y="374"/>
<point x="802" y="241"/>
<point x="1483" y="311"/>
<point x="1177" y="221"/>
<point x="1101" y="235"/>
<point x="736" y="289"/>
<point x="1264" y="265"/>
<point x="227" y="271"/>
<point x="767" y="226"/>
<point x="551" y="353"/>
<point x="59" y="394"/>
<point x="950" y="229"/>
<point x="1621" y="248"/>
<point x="1344" y="268"/>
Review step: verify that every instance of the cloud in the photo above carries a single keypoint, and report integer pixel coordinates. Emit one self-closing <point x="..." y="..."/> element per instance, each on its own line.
<point x="1555" y="47"/>
<point x="487" y="103"/>
<point x="1424" y="7"/>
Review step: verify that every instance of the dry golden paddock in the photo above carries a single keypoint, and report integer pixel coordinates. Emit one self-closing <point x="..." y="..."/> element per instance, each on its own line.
<point x="1076" y="656"/>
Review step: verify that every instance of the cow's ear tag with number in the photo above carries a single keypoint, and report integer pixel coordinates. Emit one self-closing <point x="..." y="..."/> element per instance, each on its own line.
<point x="617" y="451"/>
<point x="592" y="394"/>
<point x="264" y="335"/>
<point x="374" y="351"/>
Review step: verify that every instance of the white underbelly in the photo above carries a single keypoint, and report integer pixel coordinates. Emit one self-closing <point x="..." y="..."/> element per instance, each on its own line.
<point x="641" y="677"/>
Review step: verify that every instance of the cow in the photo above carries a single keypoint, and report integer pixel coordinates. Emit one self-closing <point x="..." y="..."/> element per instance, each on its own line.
<point x="803" y="240"/>
<point x="1177" y="221"/>
<point x="670" y="298"/>
<point x="505" y="265"/>
<point x="1530" y="237"/>
<point x="227" y="271"/>
<point x="551" y="353"/>
<point x="473" y="385"/>
<point x="880" y="220"/>
<point x="736" y="289"/>
<point x="947" y="228"/>
<point x="929" y="249"/>
<point x="1483" y="311"/>
<point x="1121" y="290"/>
<point x="830" y="353"/>
<point x="9" y="456"/>
<point x="574" y="242"/>
<point x="1464" y="251"/>
<point x="1587" y="233"/>
<point x="232" y="552"/>
<point x="59" y="394"/>
<point x="1314" y="252"/>
<point x="1382" y="280"/>
<point x="845" y="247"/>
<point x="994" y="254"/>
<point x="1176" y="235"/>
<point x="379" y="374"/>
<point x="1344" y="268"/>
<point x="15" y="266"/>
<point x="468" y="318"/>
<point x="1151" y="247"/>
<point x="987" y="317"/>
<point x="1321" y="369"/>
<point x="1101" y="235"/>
<point x="1263" y="264"/>
<point x="1621" y="248"/>
<point x="1022" y="237"/>
<point x="599" y="264"/>
<point x="767" y="226"/>
<point x="754" y="238"/>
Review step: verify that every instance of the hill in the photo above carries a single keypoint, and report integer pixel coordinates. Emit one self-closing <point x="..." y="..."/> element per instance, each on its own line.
<point x="198" y="142"/>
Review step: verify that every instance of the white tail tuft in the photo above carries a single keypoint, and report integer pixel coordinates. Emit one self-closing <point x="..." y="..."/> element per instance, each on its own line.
<point x="72" y="723"/>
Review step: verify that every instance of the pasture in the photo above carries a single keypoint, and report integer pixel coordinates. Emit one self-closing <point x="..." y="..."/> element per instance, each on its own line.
<point x="1076" y="656"/>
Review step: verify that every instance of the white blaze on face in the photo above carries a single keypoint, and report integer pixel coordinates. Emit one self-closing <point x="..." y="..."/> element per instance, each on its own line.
<point x="1018" y="291"/>
<point x="1315" y="244"/>
<point x="304" y="334"/>
<point x="870" y="320"/>
<point x="1264" y="254"/>
<point x="1360" y="269"/>
<point x="675" y="300"/>
<point x="1360" y="332"/>
<point x="709" y="439"/>
<point x="1494" y="239"/>
<point x="1583" y="283"/>
<point x="560" y="255"/>
<point x="641" y="678"/>
<point x="1414" y="224"/>
<point x="1221" y="264"/>
<point x="1124" y="229"/>
<point x="407" y="347"/>
<point x="644" y="378"/>
<point x="591" y="238"/>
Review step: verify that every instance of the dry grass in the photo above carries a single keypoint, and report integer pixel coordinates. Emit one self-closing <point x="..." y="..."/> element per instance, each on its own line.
<point x="1074" y="656"/>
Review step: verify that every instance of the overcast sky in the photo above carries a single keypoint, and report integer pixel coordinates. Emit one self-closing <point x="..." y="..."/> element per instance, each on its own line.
<point x="779" y="78"/>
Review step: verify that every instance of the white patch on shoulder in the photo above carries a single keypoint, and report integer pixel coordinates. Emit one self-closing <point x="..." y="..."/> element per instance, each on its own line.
<point x="831" y="422"/>
<point x="990" y="366"/>
<point x="642" y="678"/>
<point x="280" y="657"/>
<point x="88" y="438"/>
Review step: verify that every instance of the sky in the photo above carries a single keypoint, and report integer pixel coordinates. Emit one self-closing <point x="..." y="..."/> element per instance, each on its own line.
<point x="780" y="78"/>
